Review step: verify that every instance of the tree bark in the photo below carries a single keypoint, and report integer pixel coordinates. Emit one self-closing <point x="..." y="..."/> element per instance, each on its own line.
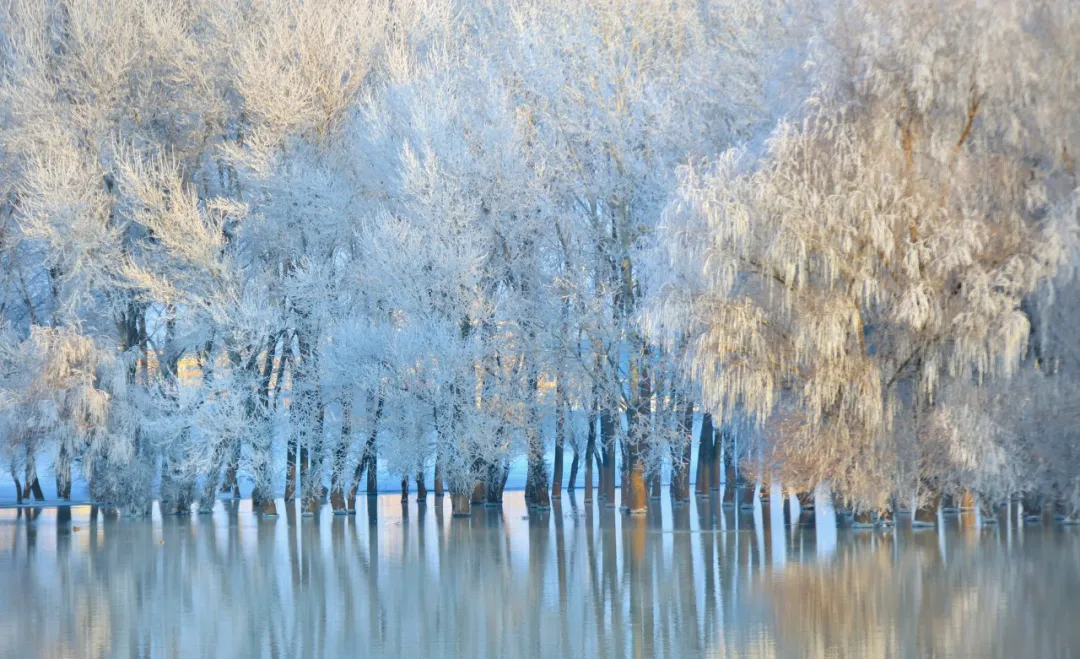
<point x="33" y="487"/>
<point x="635" y="492"/>
<point x="575" y="464"/>
<point x="421" y="488"/>
<point x="63" y="472"/>
<point x="341" y="453"/>
<point x="607" y="444"/>
<point x="560" y="440"/>
<point x="590" y="450"/>
<point x="290" y="468"/>
<point x="680" y="469"/>
<point x="498" y="472"/>
<point x="479" y="491"/>
<point x="460" y="505"/>
<point x="717" y="459"/>
<point x="367" y="458"/>
<point x="536" y="492"/>
<point x="927" y="514"/>
<point x="438" y="484"/>
<point x="706" y="450"/>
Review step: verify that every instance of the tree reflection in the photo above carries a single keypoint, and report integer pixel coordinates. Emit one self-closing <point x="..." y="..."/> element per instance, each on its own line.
<point x="691" y="580"/>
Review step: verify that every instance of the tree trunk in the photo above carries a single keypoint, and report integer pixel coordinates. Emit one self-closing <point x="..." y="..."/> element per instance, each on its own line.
<point x="680" y="469"/>
<point x="1033" y="504"/>
<point x="536" y="493"/>
<point x="18" y="487"/>
<point x="927" y="514"/>
<point x="607" y="444"/>
<point x="479" y="491"/>
<point x="341" y="454"/>
<point x="63" y="472"/>
<point x="636" y="498"/>
<point x="560" y="440"/>
<point x="635" y="492"/>
<point x="404" y="489"/>
<point x="372" y="488"/>
<point x="290" y="468"/>
<point x="421" y="488"/>
<point x="575" y="464"/>
<point x="590" y="450"/>
<point x="498" y="472"/>
<point x="32" y="487"/>
<point x="460" y="505"/>
<point x="731" y="473"/>
<point x="438" y="484"/>
<point x="706" y="456"/>
<point x="716" y="460"/>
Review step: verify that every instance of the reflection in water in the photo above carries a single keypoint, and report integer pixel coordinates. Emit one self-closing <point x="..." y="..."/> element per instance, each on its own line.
<point x="578" y="581"/>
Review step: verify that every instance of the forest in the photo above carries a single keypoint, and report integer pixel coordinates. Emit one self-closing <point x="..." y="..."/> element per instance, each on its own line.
<point x="685" y="244"/>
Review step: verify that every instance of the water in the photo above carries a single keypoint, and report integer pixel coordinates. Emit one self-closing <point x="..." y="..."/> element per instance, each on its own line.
<point x="579" y="582"/>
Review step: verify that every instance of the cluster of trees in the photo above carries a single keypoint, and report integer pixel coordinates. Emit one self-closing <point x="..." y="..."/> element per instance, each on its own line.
<point x="403" y="236"/>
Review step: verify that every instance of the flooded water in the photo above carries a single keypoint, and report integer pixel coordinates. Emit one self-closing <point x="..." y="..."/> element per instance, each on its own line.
<point x="411" y="581"/>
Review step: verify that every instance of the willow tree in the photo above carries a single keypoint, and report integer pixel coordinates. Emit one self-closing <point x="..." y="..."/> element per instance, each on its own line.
<point x="881" y="247"/>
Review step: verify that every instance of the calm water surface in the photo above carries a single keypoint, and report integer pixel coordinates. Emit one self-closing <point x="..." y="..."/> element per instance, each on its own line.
<point x="394" y="581"/>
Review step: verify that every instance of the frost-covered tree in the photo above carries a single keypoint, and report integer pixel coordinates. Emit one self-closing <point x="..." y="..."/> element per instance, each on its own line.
<point x="880" y="249"/>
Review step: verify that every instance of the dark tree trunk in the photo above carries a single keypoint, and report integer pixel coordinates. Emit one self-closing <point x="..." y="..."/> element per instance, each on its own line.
<point x="498" y="472"/>
<point x="927" y="513"/>
<point x="290" y="468"/>
<point x="607" y="443"/>
<point x="479" y="491"/>
<point x="706" y="455"/>
<point x="341" y="453"/>
<point x="404" y="489"/>
<point x="680" y="470"/>
<point x="439" y="491"/>
<point x="460" y="505"/>
<point x="367" y="458"/>
<point x="560" y="440"/>
<point x="590" y="451"/>
<point x="731" y="469"/>
<point x="63" y="472"/>
<point x="536" y="491"/>
<point x="421" y="488"/>
<point x="575" y="464"/>
<point x="716" y="460"/>
<point x="33" y="487"/>
<point x="18" y="487"/>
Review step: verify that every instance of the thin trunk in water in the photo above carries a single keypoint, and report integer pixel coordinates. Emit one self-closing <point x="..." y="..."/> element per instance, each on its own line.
<point x="680" y="472"/>
<point x="404" y="488"/>
<point x="607" y="470"/>
<point x="438" y="484"/>
<point x="479" y="491"/>
<point x="498" y="472"/>
<point x="366" y="462"/>
<point x="635" y="493"/>
<point x="590" y="450"/>
<point x="927" y="513"/>
<point x="18" y="487"/>
<point x="575" y="464"/>
<point x="63" y="472"/>
<point x="706" y="450"/>
<point x="560" y="440"/>
<point x="421" y="488"/>
<point x="341" y="453"/>
<point x="460" y="505"/>
<point x="715" y="477"/>
<point x="536" y="490"/>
